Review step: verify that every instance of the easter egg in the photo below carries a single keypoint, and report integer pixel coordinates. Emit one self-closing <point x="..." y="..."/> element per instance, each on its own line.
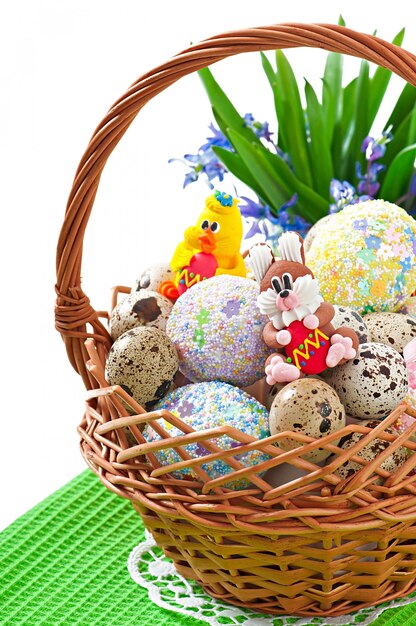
<point x="208" y="405"/>
<point x="312" y="232"/>
<point x="393" y="329"/>
<point x="364" y="257"/>
<point x="140" y="308"/>
<point x="143" y="361"/>
<point x="370" y="451"/>
<point x="345" y="316"/>
<point x="153" y="276"/>
<point x="308" y="406"/>
<point x="372" y="384"/>
<point x="217" y="328"/>
<point x="272" y="391"/>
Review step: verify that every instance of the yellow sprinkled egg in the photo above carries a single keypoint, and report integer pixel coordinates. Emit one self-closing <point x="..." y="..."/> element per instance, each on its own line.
<point x="364" y="257"/>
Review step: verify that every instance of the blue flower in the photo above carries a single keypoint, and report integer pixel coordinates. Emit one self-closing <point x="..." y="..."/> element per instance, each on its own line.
<point x="224" y="198"/>
<point x="263" y="221"/>
<point x="374" y="149"/>
<point x="218" y="139"/>
<point x="360" y="224"/>
<point x="369" y="184"/>
<point x="260" y="129"/>
<point x="190" y="177"/>
<point x="343" y="193"/>
<point x="373" y="242"/>
<point x="406" y="264"/>
<point x="206" y="162"/>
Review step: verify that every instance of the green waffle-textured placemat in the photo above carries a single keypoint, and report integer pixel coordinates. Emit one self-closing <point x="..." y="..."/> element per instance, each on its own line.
<point x="64" y="562"/>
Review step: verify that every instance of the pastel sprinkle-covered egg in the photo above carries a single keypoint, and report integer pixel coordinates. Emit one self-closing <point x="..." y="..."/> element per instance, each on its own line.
<point x="217" y="328"/>
<point x="364" y="257"/>
<point x="209" y="405"/>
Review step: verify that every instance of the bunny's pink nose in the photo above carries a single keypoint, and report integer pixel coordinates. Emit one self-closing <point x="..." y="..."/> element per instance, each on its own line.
<point x="287" y="300"/>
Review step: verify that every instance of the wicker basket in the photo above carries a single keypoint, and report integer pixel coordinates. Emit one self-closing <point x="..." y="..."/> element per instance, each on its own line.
<point x="316" y="546"/>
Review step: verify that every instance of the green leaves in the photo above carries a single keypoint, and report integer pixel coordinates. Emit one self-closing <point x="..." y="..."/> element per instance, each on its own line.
<point x="322" y="139"/>
<point x="332" y="92"/>
<point x="397" y="179"/>
<point x="265" y="172"/>
<point x="379" y="83"/>
<point x="291" y="119"/>
<point x="360" y="127"/>
<point x="319" y="146"/>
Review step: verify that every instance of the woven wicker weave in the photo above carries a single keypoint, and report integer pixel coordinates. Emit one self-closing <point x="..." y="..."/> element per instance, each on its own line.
<point x="316" y="546"/>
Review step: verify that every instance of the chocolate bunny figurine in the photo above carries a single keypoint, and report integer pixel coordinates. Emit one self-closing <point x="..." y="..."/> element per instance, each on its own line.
<point x="300" y="321"/>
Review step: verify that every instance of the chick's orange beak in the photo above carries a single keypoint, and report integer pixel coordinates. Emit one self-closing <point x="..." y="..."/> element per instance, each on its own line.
<point x="207" y="241"/>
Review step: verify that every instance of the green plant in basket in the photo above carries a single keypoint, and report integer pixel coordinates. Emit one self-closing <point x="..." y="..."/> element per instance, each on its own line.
<point x="324" y="156"/>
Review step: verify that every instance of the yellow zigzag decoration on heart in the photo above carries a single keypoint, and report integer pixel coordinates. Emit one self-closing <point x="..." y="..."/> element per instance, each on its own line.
<point x="184" y="275"/>
<point x="314" y="343"/>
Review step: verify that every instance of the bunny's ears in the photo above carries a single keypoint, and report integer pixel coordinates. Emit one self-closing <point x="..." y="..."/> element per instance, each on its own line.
<point x="290" y="249"/>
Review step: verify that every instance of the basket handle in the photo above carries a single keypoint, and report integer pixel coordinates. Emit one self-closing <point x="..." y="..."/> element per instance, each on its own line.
<point x="73" y="310"/>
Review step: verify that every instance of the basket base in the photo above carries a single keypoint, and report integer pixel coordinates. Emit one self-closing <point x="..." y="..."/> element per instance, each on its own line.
<point x="339" y="608"/>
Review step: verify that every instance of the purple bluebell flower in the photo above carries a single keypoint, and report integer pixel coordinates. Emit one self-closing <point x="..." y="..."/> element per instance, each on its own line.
<point x="368" y="183"/>
<point x="343" y="194"/>
<point x="190" y="177"/>
<point x="218" y="139"/>
<point x="374" y="149"/>
<point x="206" y="162"/>
<point x="260" y="129"/>
<point x="262" y="221"/>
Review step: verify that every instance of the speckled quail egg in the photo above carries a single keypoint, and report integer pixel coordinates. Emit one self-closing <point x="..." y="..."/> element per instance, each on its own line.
<point x="344" y="316"/>
<point x="310" y="407"/>
<point x="393" y="329"/>
<point x="141" y="308"/>
<point x="153" y="276"/>
<point x="371" y="385"/>
<point x="370" y="452"/>
<point x="271" y="391"/>
<point x="143" y="361"/>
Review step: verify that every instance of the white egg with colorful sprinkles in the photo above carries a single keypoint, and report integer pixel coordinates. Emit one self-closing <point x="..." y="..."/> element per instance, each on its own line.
<point x="217" y="328"/>
<point x="364" y="257"/>
<point x="208" y="405"/>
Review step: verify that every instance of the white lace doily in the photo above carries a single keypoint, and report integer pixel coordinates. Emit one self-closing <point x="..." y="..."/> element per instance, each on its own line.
<point x="149" y="568"/>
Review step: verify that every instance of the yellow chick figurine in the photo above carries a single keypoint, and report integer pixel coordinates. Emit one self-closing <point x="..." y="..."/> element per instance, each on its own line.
<point x="212" y="246"/>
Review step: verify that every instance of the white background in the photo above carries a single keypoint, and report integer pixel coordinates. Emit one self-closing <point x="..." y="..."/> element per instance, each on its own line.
<point x="63" y="63"/>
